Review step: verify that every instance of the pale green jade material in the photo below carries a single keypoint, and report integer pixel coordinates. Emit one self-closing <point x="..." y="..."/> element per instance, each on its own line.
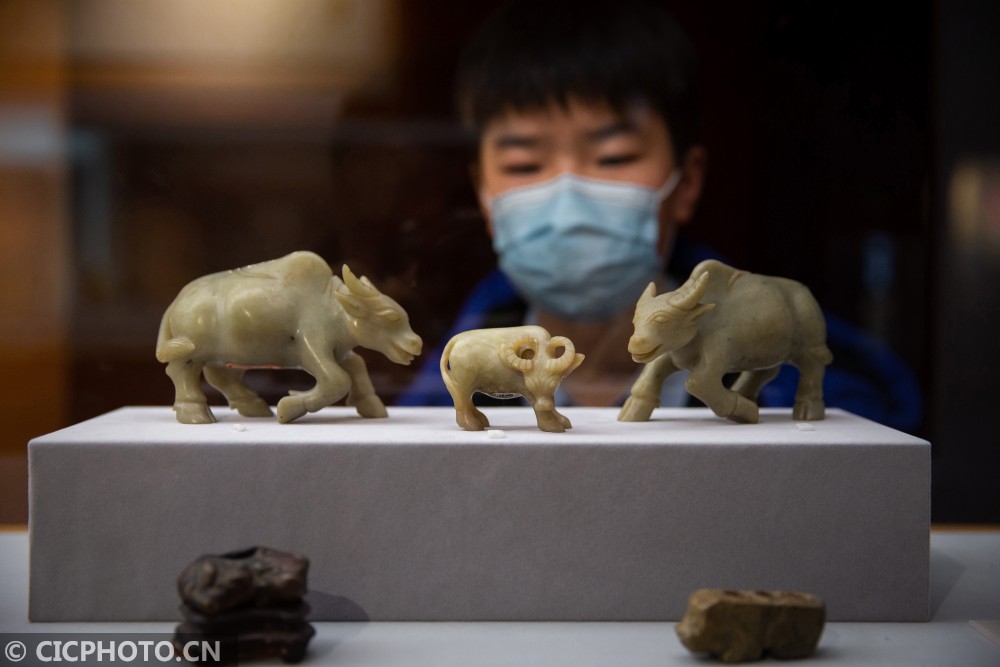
<point x="724" y="320"/>
<point x="506" y="363"/>
<point x="291" y="312"/>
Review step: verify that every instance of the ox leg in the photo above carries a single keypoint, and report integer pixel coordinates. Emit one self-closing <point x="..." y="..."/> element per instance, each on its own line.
<point x="645" y="394"/>
<point x="548" y="420"/>
<point x="478" y="415"/>
<point x="749" y="383"/>
<point x="545" y="414"/>
<point x="241" y="397"/>
<point x="332" y="384"/>
<point x="809" y="404"/>
<point x="706" y="384"/>
<point x="189" y="400"/>
<point x="468" y="416"/>
<point x="362" y="394"/>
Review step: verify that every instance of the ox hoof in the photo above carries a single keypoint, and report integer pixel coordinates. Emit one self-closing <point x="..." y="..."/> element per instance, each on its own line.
<point x="371" y="408"/>
<point x="290" y="408"/>
<point x="552" y="422"/>
<point x="552" y="427"/>
<point x="193" y="413"/>
<point x="745" y="412"/>
<point x="472" y="422"/>
<point x="253" y="408"/>
<point x="636" y="410"/>
<point x="809" y="411"/>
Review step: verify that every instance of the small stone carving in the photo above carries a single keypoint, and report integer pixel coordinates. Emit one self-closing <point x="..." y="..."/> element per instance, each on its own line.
<point x="258" y="576"/>
<point x="724" y="320"/>
<point x="250" y="601"/>
<point x="741" y="626"/>
<point x="291" y="312"/>
<point x="506" y="363"/>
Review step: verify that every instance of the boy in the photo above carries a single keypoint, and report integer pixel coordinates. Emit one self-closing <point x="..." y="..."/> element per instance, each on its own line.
<point x="586" y="116"/>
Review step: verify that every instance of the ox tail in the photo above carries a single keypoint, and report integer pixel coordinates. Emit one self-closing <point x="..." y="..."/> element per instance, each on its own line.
<point x="170" y="348"/>
<point x="449" y="381"/>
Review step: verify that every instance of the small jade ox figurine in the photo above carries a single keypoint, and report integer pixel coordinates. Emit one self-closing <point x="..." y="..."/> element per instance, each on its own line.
<point x="291" y="312"/>
<point x="724" y="320"/>
<point x="506" y="363"/>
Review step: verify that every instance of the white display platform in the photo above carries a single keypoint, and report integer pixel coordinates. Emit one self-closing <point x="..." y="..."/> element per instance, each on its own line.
<point x="411" y="518"/>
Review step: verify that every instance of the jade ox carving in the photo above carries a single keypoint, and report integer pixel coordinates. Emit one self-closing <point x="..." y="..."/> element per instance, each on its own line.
<point x="291" y="312"/>
<point x="724" y="320"/>
<point x="506" y="363"/>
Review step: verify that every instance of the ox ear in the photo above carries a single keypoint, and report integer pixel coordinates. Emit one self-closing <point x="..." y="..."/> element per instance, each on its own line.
<point x="700" y="310"/>
<point x="354" y="305"/>
<point x="577" y="360"/>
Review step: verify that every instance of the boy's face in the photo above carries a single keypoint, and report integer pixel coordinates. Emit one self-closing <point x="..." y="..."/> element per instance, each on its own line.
<point x="525" y="147"/>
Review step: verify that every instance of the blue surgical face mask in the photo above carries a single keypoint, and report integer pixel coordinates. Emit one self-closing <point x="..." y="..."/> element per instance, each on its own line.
<point x="579" y="248"/>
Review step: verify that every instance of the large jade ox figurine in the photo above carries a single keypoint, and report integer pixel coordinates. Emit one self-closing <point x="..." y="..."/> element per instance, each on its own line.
<point x="506" y="363"/>
<point x="724" y="320"/>
<point x="291" y="312"/>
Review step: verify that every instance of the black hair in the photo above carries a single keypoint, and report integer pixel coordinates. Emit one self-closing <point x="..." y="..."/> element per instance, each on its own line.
<point x="529" y="53"/>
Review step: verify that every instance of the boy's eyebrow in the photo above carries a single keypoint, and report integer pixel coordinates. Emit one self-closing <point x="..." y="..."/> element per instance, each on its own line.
<point x="612" y="130"/>
<point x="513" y="140"/>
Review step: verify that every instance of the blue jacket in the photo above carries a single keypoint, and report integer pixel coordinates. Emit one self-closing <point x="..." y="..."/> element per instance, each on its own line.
<point x="865" y="378"/>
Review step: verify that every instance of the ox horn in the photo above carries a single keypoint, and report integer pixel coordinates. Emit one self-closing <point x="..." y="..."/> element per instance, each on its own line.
<point x="510" y="354"/>
<point x="649" y="292"/>
<point x="363" y="287"/>
<point x="689" y="294"/>
<point x="565" y="360"/>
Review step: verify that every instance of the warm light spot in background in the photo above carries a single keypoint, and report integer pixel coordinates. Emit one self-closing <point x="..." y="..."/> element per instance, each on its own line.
<point x="345" y="32"/>
<point x="974" y="207"/>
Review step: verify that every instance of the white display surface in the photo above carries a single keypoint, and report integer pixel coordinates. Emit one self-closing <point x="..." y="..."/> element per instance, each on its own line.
<point x="964" y="586"/>
<point x="411" y="518"/>
<point x="436" y="426"/>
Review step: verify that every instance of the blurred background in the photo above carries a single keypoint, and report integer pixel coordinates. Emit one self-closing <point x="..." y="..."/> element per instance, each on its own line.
<point x="852" y="147"/>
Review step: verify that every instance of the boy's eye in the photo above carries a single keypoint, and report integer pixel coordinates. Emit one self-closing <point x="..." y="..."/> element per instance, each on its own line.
<point x="522" y="168"/>
<point x="618" y="159"/>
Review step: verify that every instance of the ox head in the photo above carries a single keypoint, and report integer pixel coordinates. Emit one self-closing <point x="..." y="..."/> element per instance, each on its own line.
<point x="544" y="364"/>
<point x="376" y="321"/>
<point x="667" y="322"/>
